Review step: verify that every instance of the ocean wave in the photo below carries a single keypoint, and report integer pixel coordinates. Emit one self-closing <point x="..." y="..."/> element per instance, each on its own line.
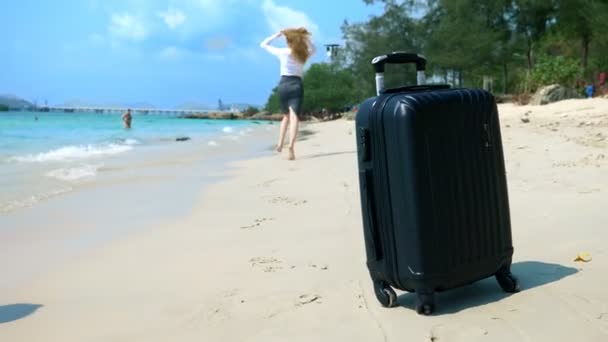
<point x="32" y="200"/>
<point x="228" y="129"/>
<point x="132" y="142"/>
<point x="74" y="173"/>
<point x="73" y="153"/>
<point x="231" y="137"/>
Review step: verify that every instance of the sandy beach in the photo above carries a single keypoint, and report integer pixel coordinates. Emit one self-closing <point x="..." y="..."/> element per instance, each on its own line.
<point x="273" y="251"/>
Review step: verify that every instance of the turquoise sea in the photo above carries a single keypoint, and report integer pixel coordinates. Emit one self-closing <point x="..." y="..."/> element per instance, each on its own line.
<point x="43" y="155"/>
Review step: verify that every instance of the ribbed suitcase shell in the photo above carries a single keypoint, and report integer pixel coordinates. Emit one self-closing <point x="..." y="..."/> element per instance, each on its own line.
<point x="433" y="188"/>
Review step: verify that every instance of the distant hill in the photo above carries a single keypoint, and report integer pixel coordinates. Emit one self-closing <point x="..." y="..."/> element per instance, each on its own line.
<point x="13" y="102"/>
<point x="133" y="105"/>
<point x="84" y="103"/>
<point x="202" y="106"/>
<point x="77" y="103"/>
<point x="192" y="105"/>
<point x="243" y="106"/>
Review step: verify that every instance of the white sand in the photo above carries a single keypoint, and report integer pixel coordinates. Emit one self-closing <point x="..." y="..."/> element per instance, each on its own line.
<point x="275" y="253"/>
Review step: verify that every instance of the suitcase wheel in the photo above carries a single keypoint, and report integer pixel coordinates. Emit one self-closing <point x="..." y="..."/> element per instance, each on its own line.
<point x="426" y="304"/>
<point x="385" y="294"/>
<point x="507" y="280"/>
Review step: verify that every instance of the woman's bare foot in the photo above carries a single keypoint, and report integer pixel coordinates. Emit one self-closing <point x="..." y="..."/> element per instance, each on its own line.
<point x="292" y="155"/>
<point x="279" y="148"/>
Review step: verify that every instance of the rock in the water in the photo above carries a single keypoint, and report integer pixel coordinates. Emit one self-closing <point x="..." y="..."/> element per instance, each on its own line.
<point x="553" y="93"/>
<point x="196" y="116"/>
<point x="260" y="116"/>
<point x="266" y="116"/>
<point x="182" y="139"/>
<point x="222" y="115"/>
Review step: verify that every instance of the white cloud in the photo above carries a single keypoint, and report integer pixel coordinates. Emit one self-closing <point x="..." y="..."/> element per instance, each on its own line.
<point x="171" y="27"/>
<point x="210" y="6"/>
<point x="171" y="53"/>
<point x="279" y="17"/>
<point x="173" y="18"/>
<point x="127" y="26"/>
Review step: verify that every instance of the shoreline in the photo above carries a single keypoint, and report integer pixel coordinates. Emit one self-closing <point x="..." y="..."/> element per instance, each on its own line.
<point x="160" y="184"/>
<point x="35" y="172"/>
<point x="274" y="252"/>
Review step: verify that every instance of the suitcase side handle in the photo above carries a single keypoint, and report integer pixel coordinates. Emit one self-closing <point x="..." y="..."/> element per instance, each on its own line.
<point x="398" y="57"/>
<point x="370" y="215"/>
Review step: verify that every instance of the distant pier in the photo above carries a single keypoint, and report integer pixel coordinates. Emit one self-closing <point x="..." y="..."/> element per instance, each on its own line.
<point x="101" y="110"/>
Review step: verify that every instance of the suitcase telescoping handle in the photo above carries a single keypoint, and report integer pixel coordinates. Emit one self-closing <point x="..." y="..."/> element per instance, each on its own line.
<point x="398" y="58"/>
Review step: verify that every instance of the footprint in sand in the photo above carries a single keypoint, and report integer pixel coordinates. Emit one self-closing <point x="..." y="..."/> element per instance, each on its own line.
<point x="588" y="160"/>
<point x="268" y="183"/>
<point x="202" y="316"/>
<point x="217" y="315"/>
<point x="302" y="300"/>
<point x="287" y="200"/>
<point x="588" y="191"/>
<point x="268" y="264"/>
<point x="307" y="299"/>
<point x="322" y="268"/>
<point x="565" y="164"/>
<point x="231" y="293"/>
<point x="458" y="331"/>
<point x="359" y="295"/>
<point x="258" y="222"/>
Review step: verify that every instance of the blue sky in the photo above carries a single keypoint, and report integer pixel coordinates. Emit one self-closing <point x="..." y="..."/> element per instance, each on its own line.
<point x="161" y="52"/>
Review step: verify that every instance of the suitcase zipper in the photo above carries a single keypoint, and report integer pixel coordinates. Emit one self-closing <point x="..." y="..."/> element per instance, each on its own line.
<point x="487" y="136"/>
<point x="379" y="162"/>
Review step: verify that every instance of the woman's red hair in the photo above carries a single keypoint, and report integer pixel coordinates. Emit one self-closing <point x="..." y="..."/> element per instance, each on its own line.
<point x="298" y="40"/>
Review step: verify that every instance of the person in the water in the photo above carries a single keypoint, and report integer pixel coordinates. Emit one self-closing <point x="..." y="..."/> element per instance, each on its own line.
<point x="126" y="118"/>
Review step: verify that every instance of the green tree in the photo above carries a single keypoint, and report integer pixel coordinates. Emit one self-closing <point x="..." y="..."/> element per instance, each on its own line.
<point x="3" y="108"/>
<point x="273" y="104"/>
<point x="597" y="12"/>
<point x="531" y="19"/>
<point x="330" y="87"/>
<point x="394" y="30"/>
<point x="469" y="39"/>
<point x="251" y="111"/>
<point x="468" y="36"/>
<point x="558" y="69"/>
<point x="575" y="19"/>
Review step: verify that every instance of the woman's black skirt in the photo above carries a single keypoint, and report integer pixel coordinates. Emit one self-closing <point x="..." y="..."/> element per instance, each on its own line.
<point x="291" y="93"/>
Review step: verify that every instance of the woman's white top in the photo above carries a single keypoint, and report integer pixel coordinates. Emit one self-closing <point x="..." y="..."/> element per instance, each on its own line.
<point x="290" y="66"/>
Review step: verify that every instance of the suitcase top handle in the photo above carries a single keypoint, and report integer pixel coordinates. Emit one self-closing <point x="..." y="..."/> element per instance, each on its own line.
<point x="398" y="57"/>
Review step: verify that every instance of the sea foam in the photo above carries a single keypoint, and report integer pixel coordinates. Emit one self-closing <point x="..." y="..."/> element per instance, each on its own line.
<point x="74" y="173"/>
<point x="68" y="153"/>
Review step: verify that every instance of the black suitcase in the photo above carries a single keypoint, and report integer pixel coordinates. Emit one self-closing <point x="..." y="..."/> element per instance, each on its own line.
<point x="433" y="188"/>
